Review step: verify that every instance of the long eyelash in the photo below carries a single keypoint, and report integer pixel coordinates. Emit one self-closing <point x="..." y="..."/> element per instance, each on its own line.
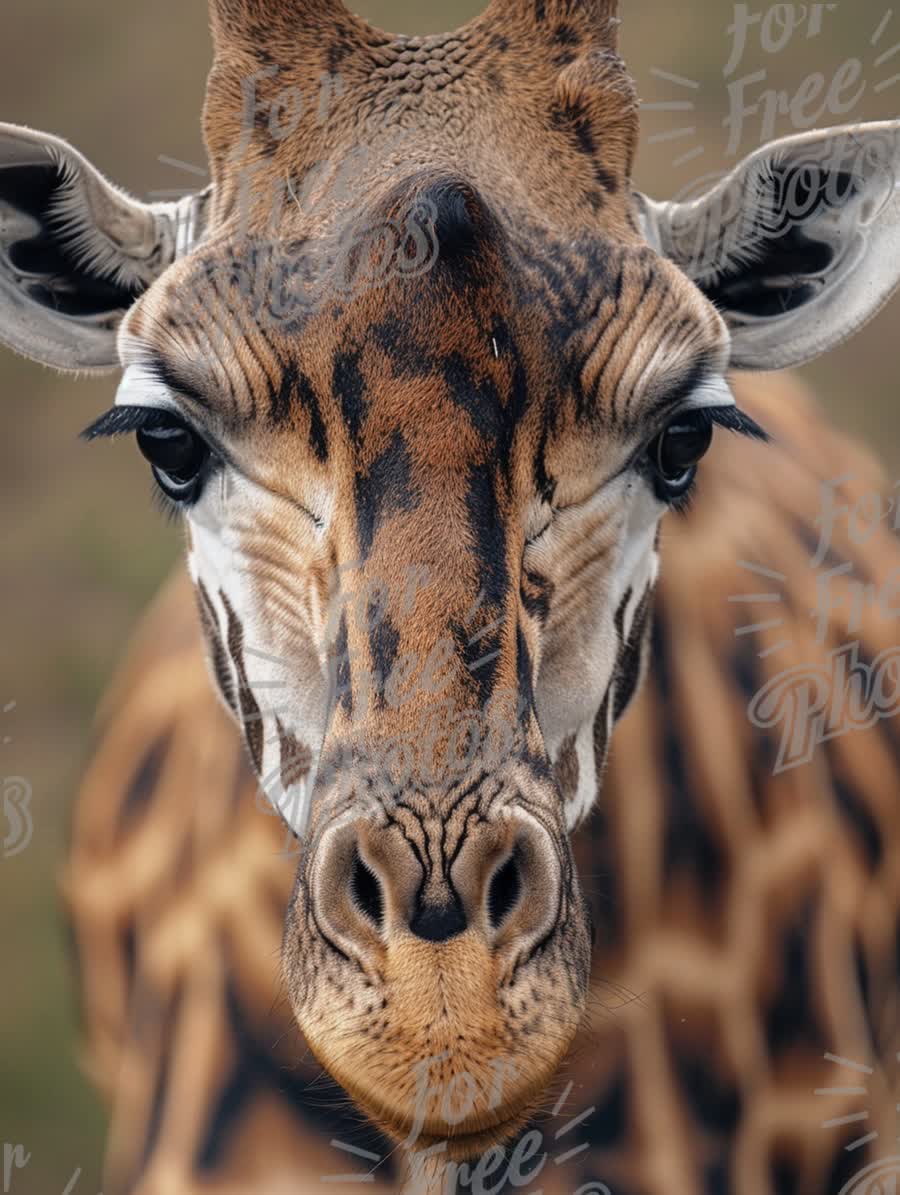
<point x="733" y="420"/>
<point x="681" y="506"/>
<point x="172" y="512"/>
<point x="120" y="421"/>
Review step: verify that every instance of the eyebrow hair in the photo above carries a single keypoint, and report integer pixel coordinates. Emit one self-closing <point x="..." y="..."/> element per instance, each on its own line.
<point x="120" y="421"/>
<point x="669" y="397"/>
<point x="169" y="376"/>
<point x="691" y="381"/>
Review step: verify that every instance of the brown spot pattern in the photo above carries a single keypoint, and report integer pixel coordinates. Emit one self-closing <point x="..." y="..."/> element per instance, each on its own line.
<point x="296" y="758"/>
<point x="217" y="653"/>
<point x="251" y="716"/>
<point x="567" y="769"/>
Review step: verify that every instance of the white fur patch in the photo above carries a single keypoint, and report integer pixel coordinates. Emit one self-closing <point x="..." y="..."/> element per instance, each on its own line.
<point x="139" y="388"/>
<point x="282" y="667"/>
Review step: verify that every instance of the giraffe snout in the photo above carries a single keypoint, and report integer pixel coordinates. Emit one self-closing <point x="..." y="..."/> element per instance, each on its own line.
<point x="434" y="945"/>
<point x="377" y="885"/>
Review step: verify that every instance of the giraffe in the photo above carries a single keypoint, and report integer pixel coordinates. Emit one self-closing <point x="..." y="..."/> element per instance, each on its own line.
<point x="715" y="997"/>
<point x="488" y="434"/>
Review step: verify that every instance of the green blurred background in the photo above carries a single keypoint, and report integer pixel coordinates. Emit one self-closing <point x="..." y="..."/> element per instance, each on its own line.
<point x="84" y="547"/>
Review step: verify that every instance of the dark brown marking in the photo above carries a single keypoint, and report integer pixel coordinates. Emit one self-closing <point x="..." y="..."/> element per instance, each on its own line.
<point x="537" y="593"/>
<point x="601" y="736"/>
<point x="573" y="119"/>
<point x="251" y="715"/>
<point x="566" y="768"/>
<point x="631" y="652"/>
<point x="218" y="655"/>
<point x="296" y="758"/>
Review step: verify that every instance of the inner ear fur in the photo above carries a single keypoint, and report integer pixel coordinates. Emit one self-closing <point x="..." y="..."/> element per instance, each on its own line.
<point x="798" y="246"/>
<point x="75" y="251"/>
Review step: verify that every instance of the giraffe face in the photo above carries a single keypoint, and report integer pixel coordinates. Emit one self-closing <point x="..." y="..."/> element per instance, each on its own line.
<point x="422" y="378"/>
<point x="487" y="479"/>
<point x="423" y="507"/>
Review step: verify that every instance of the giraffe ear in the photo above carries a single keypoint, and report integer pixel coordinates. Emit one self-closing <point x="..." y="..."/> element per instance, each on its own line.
<point x="798" y="246"/>
<point x="75" y="251"/>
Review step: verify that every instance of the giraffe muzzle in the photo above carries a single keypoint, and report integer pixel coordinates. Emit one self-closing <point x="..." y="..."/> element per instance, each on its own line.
<point x="442" y="938"/>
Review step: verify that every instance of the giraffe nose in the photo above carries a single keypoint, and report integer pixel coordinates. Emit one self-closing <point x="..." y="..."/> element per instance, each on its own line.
<point x="438" y="922"/>
<point x="375" y="882"/>
<point x="435" y="913"/>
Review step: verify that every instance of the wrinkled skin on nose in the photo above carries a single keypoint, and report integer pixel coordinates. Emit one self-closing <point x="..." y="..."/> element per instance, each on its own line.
<point x="438" y="964"/>
<point x="437" y="949"/>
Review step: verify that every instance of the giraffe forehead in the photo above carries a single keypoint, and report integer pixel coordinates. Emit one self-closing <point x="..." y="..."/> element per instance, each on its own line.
<point x="529" y="286"/>
<point x="460" y="352"/>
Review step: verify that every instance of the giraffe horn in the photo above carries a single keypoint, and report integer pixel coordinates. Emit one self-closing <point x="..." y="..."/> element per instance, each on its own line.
<point x="261" y="21"/>
<point x="596" y="17"/>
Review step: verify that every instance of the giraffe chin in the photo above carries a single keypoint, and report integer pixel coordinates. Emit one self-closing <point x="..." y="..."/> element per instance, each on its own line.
<point x="460" y="1147"/>
<point x="465" y="1142"/>
<point x="443" y="1069"/>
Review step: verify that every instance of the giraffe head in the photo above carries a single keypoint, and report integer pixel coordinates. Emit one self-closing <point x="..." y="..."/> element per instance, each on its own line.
<point x="422" y="374"/>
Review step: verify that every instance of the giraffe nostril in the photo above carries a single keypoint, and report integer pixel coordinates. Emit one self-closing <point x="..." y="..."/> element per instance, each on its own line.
<point x="366" y="890"/>
<point x="439" y="923"/>
<point x="504" y="891"/>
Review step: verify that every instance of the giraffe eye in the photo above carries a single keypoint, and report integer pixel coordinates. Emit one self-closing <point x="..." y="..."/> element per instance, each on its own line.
<point x="676" y="453"/>
<point x="178" y="457"/>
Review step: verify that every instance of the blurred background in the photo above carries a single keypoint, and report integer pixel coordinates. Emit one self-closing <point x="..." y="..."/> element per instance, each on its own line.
<point x="85" y="549"/>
